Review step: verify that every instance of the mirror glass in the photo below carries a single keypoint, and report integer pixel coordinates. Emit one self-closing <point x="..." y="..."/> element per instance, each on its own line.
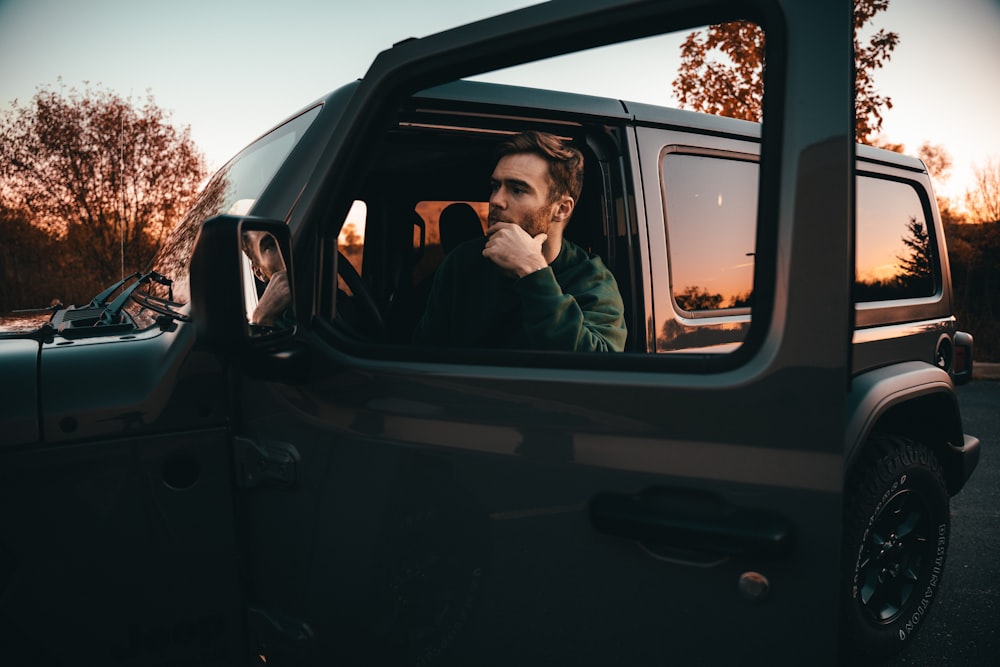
<point x="267" y="294"/>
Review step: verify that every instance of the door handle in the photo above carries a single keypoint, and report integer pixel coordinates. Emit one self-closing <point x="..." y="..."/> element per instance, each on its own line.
<point x="692" y="520"/>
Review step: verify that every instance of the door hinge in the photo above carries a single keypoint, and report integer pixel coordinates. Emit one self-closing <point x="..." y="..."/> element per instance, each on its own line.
<point x="274" y="463"/>
<point x="278" y="639"/>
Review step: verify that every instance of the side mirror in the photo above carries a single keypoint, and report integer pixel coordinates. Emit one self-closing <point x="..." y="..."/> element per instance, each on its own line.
<point x="241" y="287"/>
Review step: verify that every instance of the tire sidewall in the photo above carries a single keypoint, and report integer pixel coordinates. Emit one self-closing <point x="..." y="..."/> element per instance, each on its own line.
<point x="919" y="475"/>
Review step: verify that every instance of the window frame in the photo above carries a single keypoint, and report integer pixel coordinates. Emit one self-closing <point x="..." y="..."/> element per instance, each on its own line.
<point x="772" y="133"/>
<point x="896" y="311"/>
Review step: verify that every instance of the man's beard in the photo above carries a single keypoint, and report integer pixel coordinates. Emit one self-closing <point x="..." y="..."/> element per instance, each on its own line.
<point x="534" y="224"/>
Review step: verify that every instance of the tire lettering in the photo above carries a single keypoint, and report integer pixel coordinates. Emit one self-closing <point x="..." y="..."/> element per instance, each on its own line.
<point x="925" y="602"/>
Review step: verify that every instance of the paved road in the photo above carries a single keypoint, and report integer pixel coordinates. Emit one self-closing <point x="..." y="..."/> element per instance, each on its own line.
<point x="963" y="629"/>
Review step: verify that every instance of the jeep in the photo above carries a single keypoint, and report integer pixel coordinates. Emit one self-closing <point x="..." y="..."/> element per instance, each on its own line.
<point x="762" y="476"/>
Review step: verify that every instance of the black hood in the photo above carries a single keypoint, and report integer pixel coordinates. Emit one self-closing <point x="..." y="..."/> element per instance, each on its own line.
<point x="24" y="325"/>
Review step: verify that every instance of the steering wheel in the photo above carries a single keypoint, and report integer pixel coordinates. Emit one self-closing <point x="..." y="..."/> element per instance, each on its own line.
<point x="362" y="297"/>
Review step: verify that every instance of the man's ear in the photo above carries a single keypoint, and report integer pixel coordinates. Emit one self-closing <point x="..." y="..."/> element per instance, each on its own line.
<point x="563" y="208"/>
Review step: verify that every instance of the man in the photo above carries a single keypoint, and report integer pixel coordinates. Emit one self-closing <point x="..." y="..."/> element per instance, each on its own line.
<point x="524" y="286"/>
<point x="269" y="268"/>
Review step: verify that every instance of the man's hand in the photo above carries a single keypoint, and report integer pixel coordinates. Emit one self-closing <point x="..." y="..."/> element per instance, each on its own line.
<point x="514" y="250"/>
<point x="276" y="298"/>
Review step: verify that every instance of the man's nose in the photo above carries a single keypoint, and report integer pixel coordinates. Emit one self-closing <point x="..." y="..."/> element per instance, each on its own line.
<point x="497" y="200"/>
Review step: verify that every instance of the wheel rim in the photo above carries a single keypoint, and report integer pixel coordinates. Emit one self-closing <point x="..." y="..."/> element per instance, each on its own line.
<point x="893" y="557"/>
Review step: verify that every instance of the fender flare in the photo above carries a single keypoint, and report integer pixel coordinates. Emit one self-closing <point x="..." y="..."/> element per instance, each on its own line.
<point x="916" y="399"/>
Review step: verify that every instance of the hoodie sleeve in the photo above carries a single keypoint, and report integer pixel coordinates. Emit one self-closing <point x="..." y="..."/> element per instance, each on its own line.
<point x="583" y="314"/>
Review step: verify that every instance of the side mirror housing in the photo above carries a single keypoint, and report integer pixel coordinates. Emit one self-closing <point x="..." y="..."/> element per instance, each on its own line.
<point x="241" y="268"/>
<point x="963" y="362"/>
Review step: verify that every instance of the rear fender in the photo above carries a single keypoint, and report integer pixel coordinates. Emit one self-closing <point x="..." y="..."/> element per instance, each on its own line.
<point x="916" y="400"/>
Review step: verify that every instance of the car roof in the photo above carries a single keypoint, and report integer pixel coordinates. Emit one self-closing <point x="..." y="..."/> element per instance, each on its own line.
<point x="561" y="102"/>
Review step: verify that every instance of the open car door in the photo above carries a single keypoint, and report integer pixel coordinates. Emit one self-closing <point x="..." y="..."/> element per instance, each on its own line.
<point x="486" y="507"/>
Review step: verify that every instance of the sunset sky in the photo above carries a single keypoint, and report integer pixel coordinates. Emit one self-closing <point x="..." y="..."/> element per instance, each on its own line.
<point x="232" y="69"/>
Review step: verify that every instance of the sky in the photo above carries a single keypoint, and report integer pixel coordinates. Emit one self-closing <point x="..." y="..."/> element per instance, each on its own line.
<point x="231" y="69"/>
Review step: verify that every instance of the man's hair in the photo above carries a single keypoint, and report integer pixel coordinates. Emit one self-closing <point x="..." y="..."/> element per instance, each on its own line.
<point x="565" y="162"/>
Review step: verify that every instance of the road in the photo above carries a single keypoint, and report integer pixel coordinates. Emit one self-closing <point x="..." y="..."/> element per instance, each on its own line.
<point x="963" y="629"/>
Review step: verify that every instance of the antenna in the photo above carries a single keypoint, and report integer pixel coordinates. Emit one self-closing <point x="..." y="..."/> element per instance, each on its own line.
<point x="121" y="185"/>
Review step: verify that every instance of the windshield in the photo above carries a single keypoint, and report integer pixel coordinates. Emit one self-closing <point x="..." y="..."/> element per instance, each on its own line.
<point x="233" y="189"/>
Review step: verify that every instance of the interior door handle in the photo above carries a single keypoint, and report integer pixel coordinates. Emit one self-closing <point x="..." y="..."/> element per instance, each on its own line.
<point x="692" y="521"/>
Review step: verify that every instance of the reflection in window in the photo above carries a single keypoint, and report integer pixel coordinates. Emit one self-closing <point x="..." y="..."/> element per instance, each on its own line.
<point x="711" y="208"/>
<point x="895" y="258"/>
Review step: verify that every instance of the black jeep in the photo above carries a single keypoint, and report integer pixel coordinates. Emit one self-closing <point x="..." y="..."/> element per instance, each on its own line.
<point x="762" y="477"/>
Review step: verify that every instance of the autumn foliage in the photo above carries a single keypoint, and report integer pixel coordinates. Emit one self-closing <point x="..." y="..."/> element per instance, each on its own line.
<point x="983" y="199"/>
<point x="973" y="237"/>
<point x="91" y="181"/>
<point x="722" y="70"/>
<point x="974" y="252"/>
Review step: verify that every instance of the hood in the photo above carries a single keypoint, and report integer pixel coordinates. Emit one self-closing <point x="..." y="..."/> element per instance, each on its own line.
<point x="34" y="324"/>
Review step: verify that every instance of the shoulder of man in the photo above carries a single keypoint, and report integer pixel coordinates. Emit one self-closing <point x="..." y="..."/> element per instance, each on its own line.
<point x="574" y="261"/>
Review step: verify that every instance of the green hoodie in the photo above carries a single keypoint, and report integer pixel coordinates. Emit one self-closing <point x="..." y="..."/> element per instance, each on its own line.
<point x="572" y="305"/>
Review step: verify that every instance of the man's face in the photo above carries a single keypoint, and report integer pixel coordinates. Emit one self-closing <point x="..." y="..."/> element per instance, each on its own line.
<point x="520" y="193"/>
<point x="262" y="249"/>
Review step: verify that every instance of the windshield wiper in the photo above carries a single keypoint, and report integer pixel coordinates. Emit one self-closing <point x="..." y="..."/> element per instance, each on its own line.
<point x="100" y="318"/>
<point x="112" y="312"/>
<point x="102" y="298"/>
<point x="165" y="307"/>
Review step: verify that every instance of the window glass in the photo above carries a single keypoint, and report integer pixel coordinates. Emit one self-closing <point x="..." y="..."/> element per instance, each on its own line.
<point x="352" y="235"/>
<point x="233" y="189"/>
<point x="711" y="225"/>
<point x="246" y="175"/>
<point x="711" y="208"/>
<point x="895" y="257"/>
<point x="463" y="221"/>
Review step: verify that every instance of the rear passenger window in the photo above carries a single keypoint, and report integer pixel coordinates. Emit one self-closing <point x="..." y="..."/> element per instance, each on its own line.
<point x="711" y="229"/>
<point x="895" y="257"/>
<point x="711" y="214"/>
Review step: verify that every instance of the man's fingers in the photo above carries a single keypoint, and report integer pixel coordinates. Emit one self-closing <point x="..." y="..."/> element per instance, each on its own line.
<point x="500" y="226"/>
<point x="516" y="230"/>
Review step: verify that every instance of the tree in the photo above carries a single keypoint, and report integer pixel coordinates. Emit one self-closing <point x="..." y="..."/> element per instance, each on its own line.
<point x="697" y="298"/>
<point x="104" y="176"/>
<point x="974" y="252"/>
<point x="24" y="250"/>
<point x="721" y="71"/>
<point x="917" y="267"/>
<point x="983" y="199"/>
<point x="937" y="159"/>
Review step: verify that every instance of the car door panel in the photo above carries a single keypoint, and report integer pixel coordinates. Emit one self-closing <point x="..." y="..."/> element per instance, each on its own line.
<point x="124" y="551"/>
<point x="441" y="489"/>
